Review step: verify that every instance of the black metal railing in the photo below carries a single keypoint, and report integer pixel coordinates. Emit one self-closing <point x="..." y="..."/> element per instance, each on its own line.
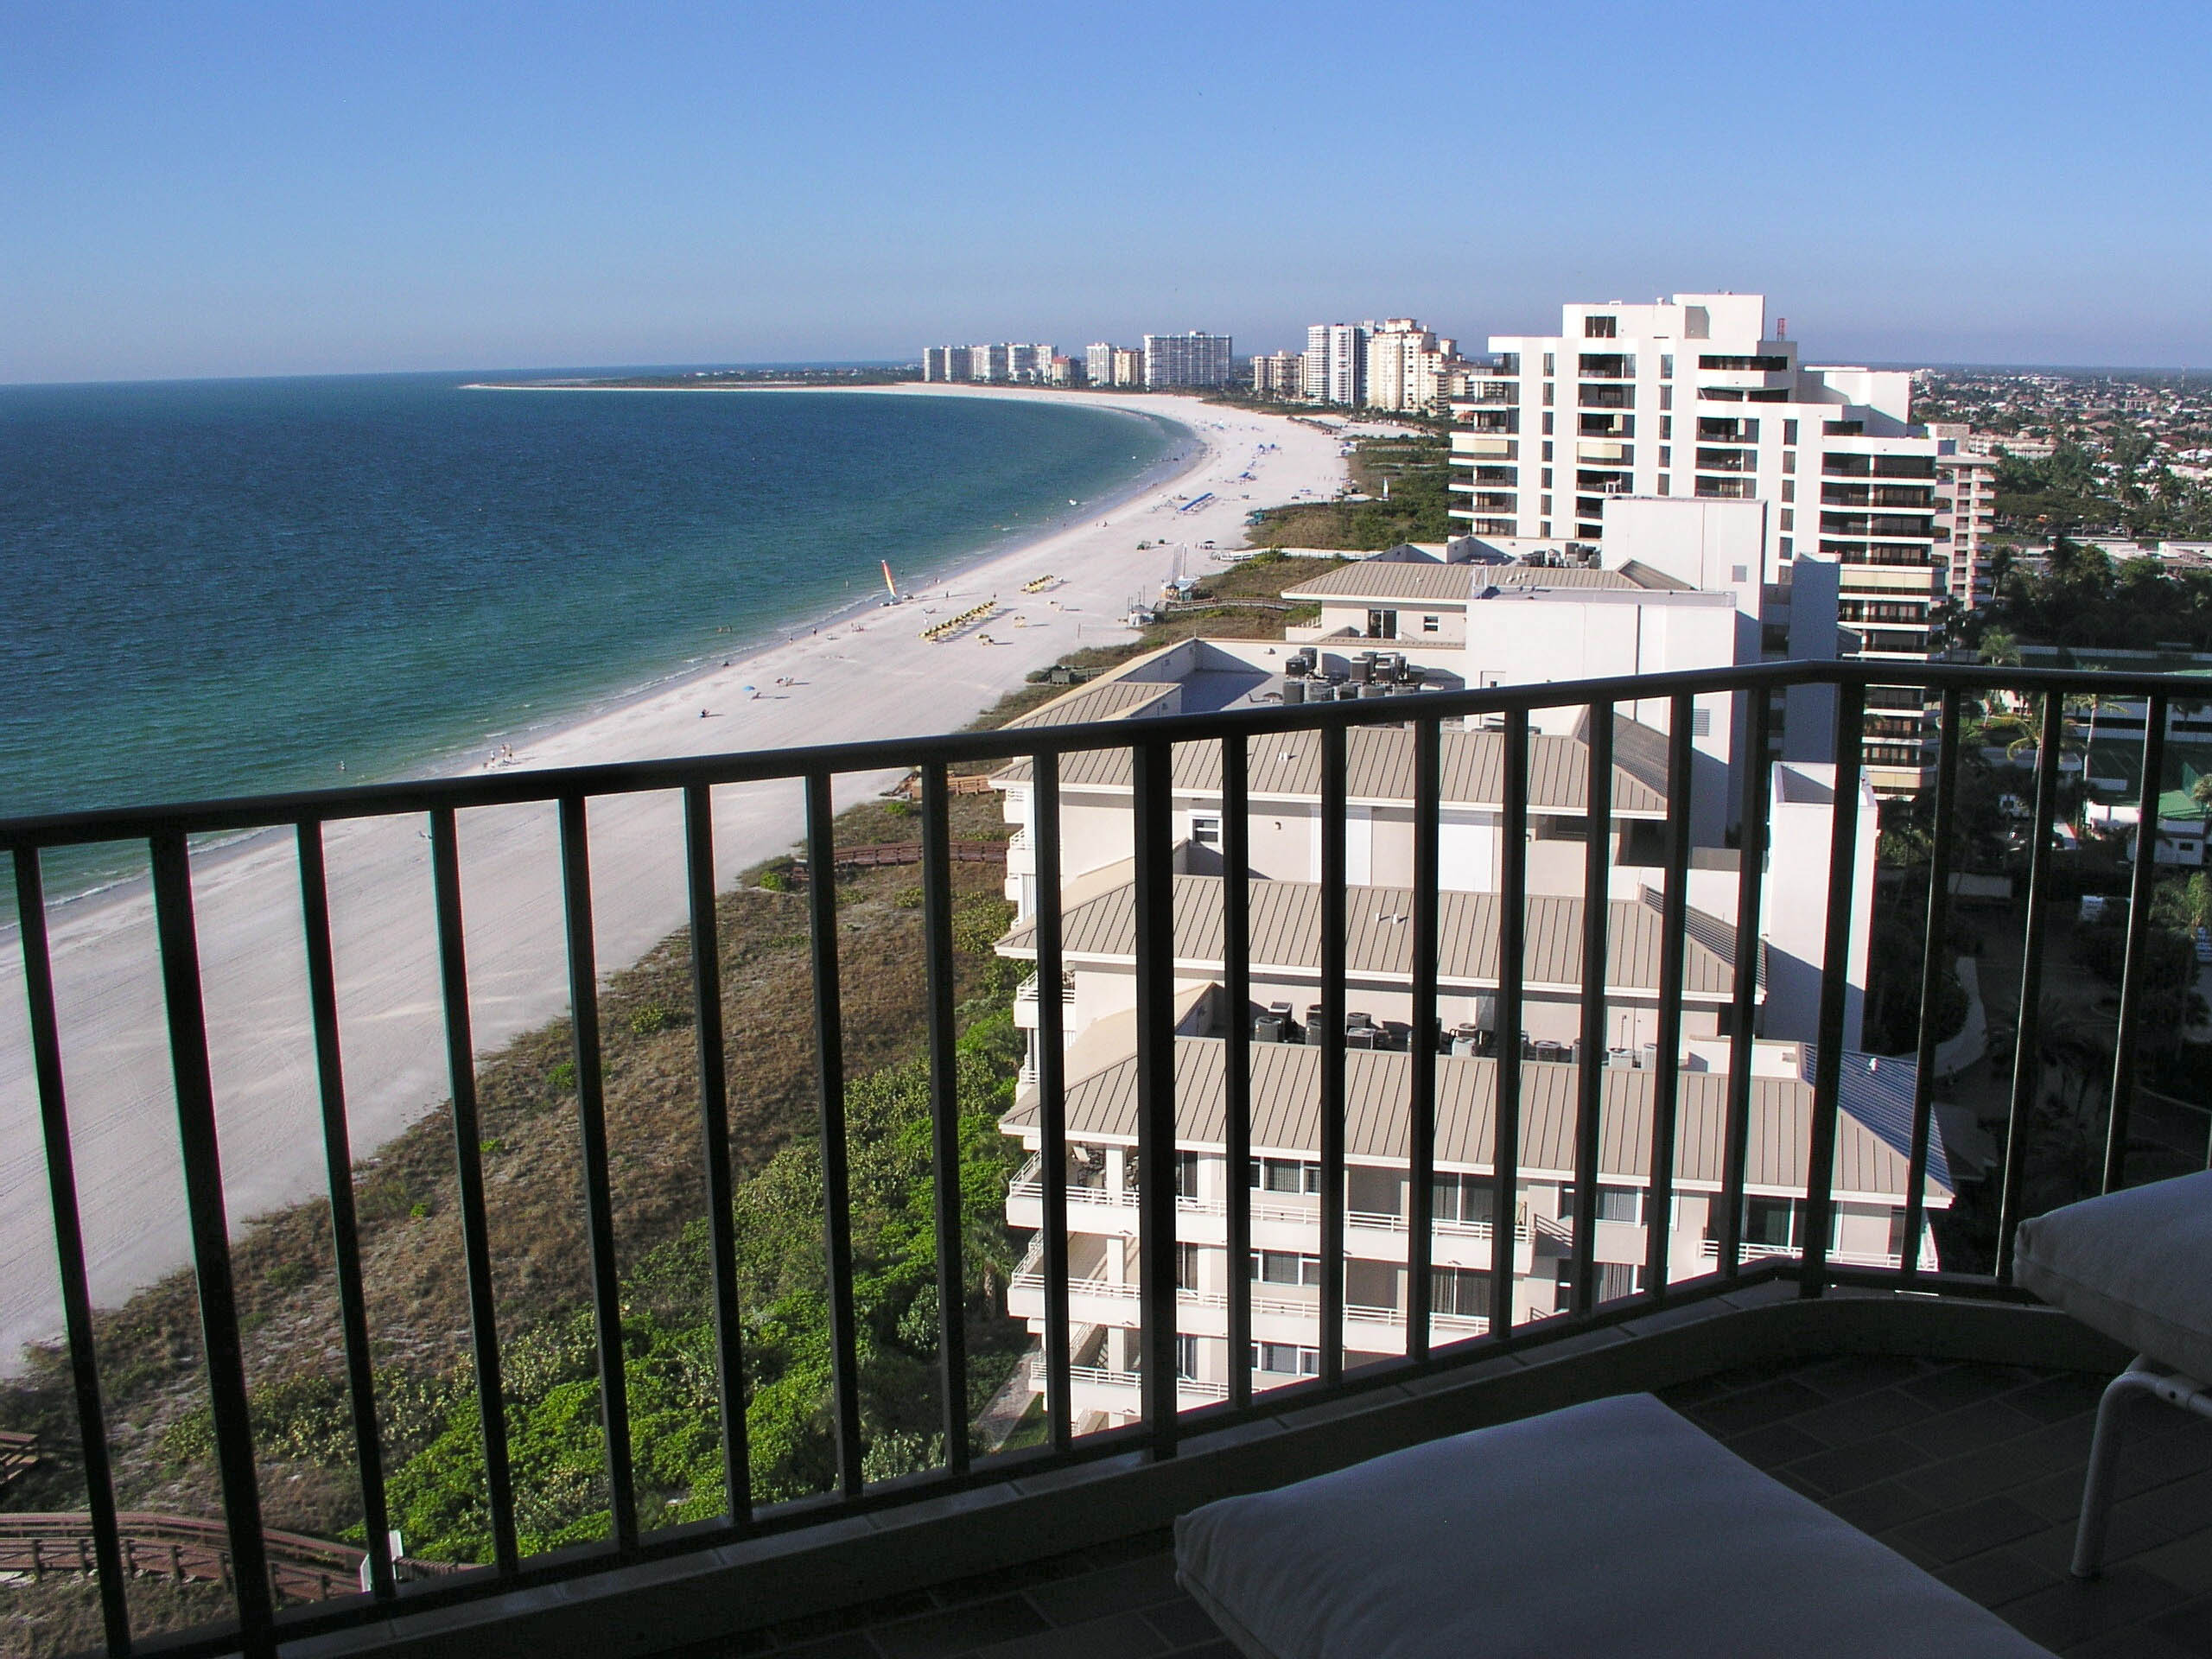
<point x="1151" y="746"/>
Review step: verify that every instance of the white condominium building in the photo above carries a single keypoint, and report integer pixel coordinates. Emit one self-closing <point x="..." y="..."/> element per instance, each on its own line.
<point x="1098" y="363"/>
<point x="1966" y="511"/>
<point x="1407" y="367"/>
<point x="1279" y="374"/>
<point x="1336" y="363"/>
<point x="1642" y="616"/>
<point x="1692" y="397"/>
<point x="1190" y="360"/>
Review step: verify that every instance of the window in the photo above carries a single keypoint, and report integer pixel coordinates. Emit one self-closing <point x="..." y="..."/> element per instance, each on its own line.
<point x="1666" y="427"/>
<point x="1789" y="489"/>
<point x="1547" y="481"/>
<point x="1790" y="461"/>
<point x="1666" y="485"/>
<point x="1548" y="365"/>
<point x="1205" y="828"/>
<point x="1548" y="450"/>
<point x="1187" y="1359"/>
<point x="1286" y="1359"/>
<point x="1665" y="454"/>
<point x="1381" y="625"/>
<point x="1622" y="1204"/>
<point x="1600" y="328"/>
<point x="1547" y="403"/>
<point x="1463" y="1199"/>
<point x="1665" y="396"/>
<point x="1285" y="1268"/>
<point x="1618" y="1279"/>
<point x="1774" y="1224"/>
<point x="1790" y="432"/>
<point x="1283" y="1175"/>
<point x="1789" y="519"/>
<point x="1186" y="1174"/>
<point x="1186" y="1266"/>
<point x="1743" y="364"/>
<point x="1547" y="425"/>
<point x="1896" y="1233"/>
<point x="1460" y="1292"/>
<point x="1666" y="367"/>
<point x="1428" y="624"/>
<point x="1844" y="429"/>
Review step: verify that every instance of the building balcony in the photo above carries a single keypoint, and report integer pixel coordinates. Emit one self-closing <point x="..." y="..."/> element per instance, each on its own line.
<point x="1932" y="1402"/>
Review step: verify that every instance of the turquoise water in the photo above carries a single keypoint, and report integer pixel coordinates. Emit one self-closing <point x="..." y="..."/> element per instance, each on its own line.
<point x="208" y="588"/>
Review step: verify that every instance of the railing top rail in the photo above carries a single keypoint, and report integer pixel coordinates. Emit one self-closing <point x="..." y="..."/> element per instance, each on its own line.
<point x="887" y="754"/>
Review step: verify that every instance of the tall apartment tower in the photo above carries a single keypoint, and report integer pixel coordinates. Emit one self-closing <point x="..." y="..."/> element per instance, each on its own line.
<point x="1192" y="360"/>
<point x="946" y="362"/>
<point x="1099" y="364"/>
<point x="989" y="363"/>
<point x="1279" y="374"/>
<point x="1966" y="511"/>
<point x="1694" y="397"/>
<point x="1407" y="366"/>
<point x="1336" y="363"/>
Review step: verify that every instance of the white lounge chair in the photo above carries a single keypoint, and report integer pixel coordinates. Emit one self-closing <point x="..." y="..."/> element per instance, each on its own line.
<point x="2136" y="1265"/>
<point x="1611" y="1528"/>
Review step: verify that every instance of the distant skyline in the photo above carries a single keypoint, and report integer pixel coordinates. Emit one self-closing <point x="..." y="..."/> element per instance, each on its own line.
<point x="252" y="189"/>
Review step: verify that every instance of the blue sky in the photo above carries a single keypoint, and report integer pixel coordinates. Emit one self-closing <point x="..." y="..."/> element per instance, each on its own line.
<point x="250" y="188"/>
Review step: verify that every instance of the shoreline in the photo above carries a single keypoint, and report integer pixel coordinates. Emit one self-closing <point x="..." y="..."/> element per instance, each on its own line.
<point x="866" y="672"/>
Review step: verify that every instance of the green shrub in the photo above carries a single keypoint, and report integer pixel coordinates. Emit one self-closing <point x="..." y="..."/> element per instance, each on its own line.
<point x="653" y="1017"/>
<point x="907" y="897"/>
<point x="562" y="1079"/>
<point x="774" y="881"/>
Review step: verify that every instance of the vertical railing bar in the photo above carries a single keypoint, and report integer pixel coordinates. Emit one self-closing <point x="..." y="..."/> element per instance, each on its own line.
<point x="1153" y="802"/>
<point x="944" y="1113"/>
<point x="599" y="1198"/>
<point x="1428" y="771"/>
<point x="1237" y="970"/>
<point x="1666" y="1085"/>
<point x="1052" y="1098"/>
<point x="1512" y="968"/>
<point x="714" y="1133"/>
<point x="224" y="1355"/>
<point x="2139" y="889"/>
<point x="830" y="1080"/>
<point x="1835" y="986"/>
<point x="1590" y="1076"/>
<point x="1931" y="979"/>
<point x="1333" y="851"/>
<point x="69" y="1248"/>
<point x="1751" y="881"/>
<point x="2027" y="1062"/>
<point x="469" y="1175"/>
<point x="345" y="1228"/>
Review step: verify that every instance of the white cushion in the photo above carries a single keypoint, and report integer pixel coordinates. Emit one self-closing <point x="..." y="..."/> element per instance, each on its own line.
<point x="1611" y="1527"/>
<point x="2136" y="1265"/>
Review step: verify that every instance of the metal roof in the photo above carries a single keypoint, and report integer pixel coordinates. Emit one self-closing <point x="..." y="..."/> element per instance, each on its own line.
<point x="1558" y="576"/>
<point x="1287" y="936"/>
<point x="1286" y="1117"/>
<point x="1379" y="770"/>
<point x="1101" y="700"/>
<point x="1371" y="579"/>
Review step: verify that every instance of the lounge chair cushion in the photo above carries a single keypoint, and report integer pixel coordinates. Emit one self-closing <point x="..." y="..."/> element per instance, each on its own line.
<point x="1611" y="1527"/>
<point x="2136" y="1265"/>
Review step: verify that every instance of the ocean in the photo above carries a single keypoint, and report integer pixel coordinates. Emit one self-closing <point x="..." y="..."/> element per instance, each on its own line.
<point x="217" y="587"/>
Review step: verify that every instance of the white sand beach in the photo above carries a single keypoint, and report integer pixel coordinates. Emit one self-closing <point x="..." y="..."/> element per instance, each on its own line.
<point x="872" y="675"/>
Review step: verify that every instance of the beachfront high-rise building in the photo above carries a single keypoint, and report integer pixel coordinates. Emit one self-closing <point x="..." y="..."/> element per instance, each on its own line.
<point x="946" y="362"/>
<point x="1966" y="511"/>
<point x="1099" y="364"/>
<point x="1336" y="363"/>
<point x="1408" y="367"/>
<point x="1128" y="366"/>
<point x="1694" y="397"/>
<point x="1190" y="360"/>
<point x="1279" y="374"/>
<point x="989" y="363"/>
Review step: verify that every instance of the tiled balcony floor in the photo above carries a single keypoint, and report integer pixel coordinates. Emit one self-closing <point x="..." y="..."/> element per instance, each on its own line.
<point x="1975" y="1471"/>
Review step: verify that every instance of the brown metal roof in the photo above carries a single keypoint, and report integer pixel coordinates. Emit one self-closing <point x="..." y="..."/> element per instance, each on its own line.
<point x="1372" y="579"/>
<point x="1287" y="936"/>
<point x="1379" y="770"/>
<point x="1104" y="700"/>
<point x="1287" y="1118"/>
<point x="1561" y="575"/>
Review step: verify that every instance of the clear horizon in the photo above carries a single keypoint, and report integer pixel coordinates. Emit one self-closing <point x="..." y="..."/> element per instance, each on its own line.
<point x="248" y="190"/>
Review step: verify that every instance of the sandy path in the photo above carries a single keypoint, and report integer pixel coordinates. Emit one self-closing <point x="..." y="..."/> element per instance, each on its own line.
<point x="869" y="678"/>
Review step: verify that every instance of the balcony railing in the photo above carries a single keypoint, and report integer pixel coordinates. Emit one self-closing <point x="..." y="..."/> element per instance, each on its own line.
<point x="1169" y="1407"/>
